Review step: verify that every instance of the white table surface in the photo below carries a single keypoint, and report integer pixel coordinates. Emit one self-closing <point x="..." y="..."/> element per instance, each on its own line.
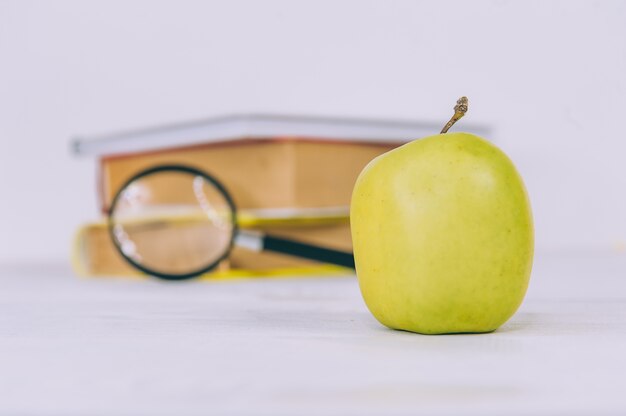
<point x="72" y="346"/>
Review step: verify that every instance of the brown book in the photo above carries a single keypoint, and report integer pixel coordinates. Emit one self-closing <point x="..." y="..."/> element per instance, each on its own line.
<point x="260" y="173"/>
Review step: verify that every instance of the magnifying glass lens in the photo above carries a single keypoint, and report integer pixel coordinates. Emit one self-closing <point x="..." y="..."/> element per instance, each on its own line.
<point x="172" y="222"/>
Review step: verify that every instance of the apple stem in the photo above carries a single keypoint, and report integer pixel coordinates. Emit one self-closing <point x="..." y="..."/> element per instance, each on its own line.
<point x="459" y="111"/>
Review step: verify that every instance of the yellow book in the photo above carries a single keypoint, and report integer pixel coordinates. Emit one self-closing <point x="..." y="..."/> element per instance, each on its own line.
<point x="94" y="254"/>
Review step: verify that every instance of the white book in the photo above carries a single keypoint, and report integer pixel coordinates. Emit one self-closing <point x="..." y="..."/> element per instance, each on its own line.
<point x="259" y="126"/>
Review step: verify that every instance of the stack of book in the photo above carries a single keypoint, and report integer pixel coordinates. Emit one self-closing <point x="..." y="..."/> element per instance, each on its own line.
<point x="289" y="176"/>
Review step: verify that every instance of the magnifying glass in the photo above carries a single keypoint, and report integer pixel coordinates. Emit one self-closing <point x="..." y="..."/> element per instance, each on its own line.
<point x="177" y="222"/>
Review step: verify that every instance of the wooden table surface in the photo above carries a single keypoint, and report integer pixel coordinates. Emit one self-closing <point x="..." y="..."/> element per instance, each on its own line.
<point x="72" y="346"/>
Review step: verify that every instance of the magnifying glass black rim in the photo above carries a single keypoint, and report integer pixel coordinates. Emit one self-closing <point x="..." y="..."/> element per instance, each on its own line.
<point x="183" y="169"/>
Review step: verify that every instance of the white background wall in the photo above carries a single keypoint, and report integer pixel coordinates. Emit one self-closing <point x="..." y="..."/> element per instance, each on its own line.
<point x="550" y="76"/>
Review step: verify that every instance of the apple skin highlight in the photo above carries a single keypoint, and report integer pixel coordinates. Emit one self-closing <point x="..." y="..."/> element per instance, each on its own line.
<point x="443" y="236"/>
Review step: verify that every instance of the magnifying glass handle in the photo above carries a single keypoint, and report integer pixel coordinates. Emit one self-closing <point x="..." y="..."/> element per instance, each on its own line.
<point x="258" y="242"/>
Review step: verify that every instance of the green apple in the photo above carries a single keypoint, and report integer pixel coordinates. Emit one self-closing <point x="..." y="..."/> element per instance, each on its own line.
<point x="443" y="236"/>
